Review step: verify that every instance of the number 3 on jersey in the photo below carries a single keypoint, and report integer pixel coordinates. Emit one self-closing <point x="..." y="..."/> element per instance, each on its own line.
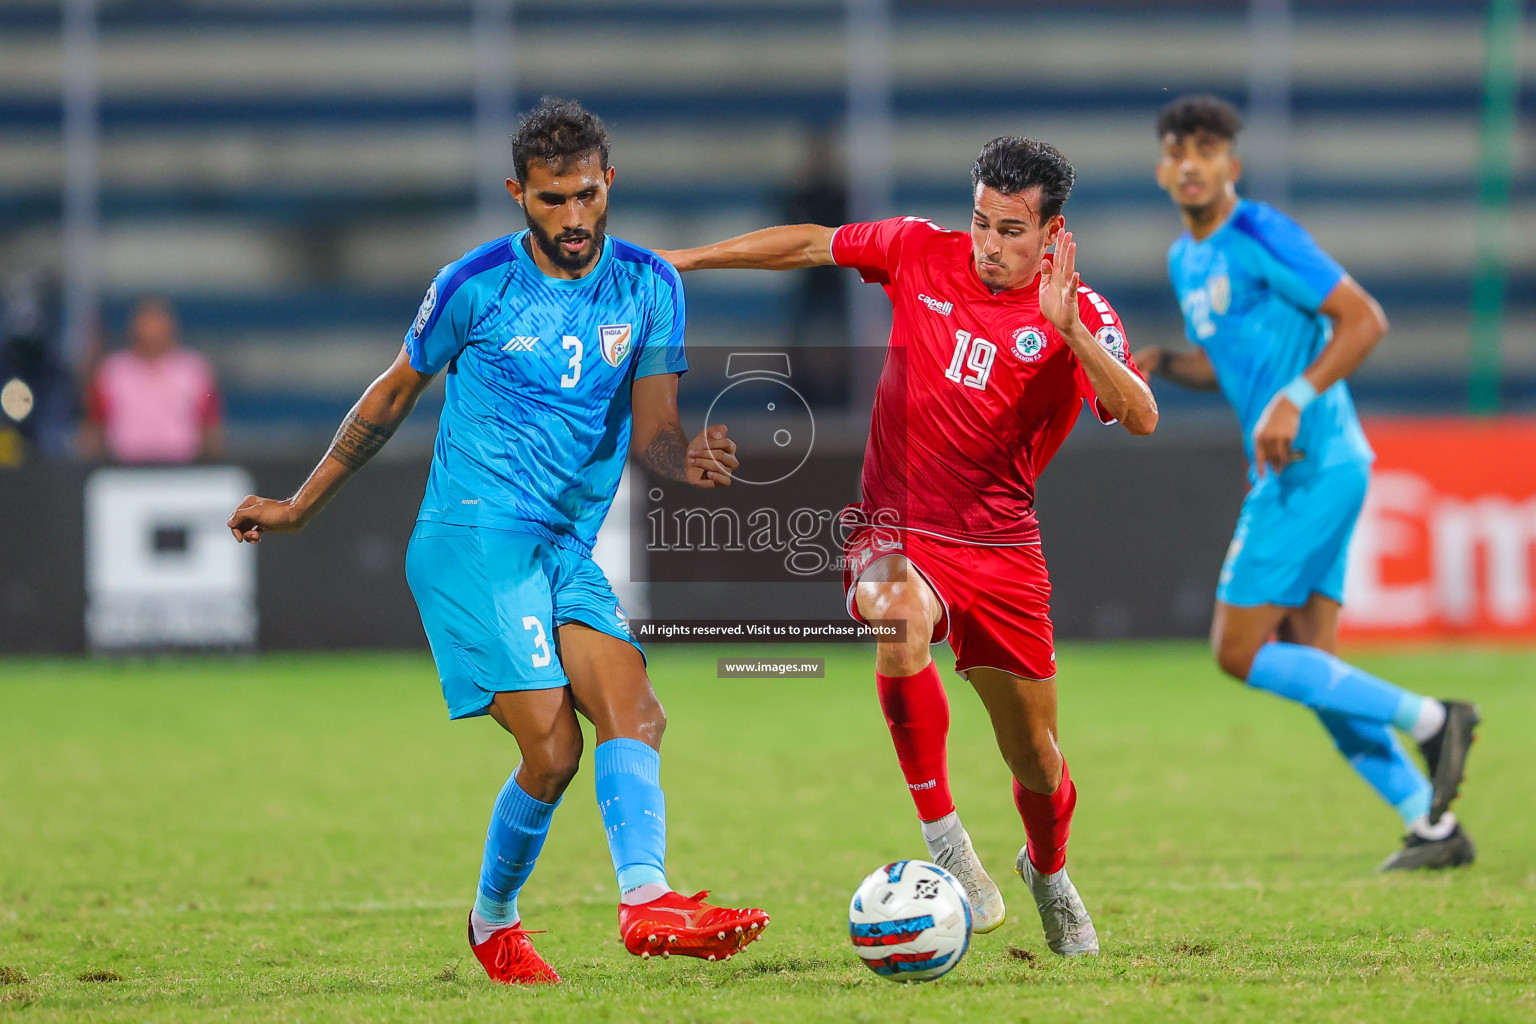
<point x="974" y="354"/>
<point x="568" y="380"/>
<point x="541" y="654"/>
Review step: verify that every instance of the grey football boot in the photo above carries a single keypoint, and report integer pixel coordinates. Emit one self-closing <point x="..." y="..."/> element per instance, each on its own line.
<point x="1068" y="928"/>
<point x="953" y="852"/>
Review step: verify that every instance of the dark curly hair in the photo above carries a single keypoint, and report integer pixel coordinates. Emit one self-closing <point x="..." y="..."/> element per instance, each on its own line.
<point x="1189" y="114"/>
<point x="559" y="132"/>
<point x="1012" y="165"/>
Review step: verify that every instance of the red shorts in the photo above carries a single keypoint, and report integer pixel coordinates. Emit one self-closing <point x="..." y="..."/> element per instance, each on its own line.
<point x="996" y="600"/>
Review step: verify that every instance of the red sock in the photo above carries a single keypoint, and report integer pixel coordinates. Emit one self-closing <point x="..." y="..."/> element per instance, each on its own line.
<point x="1047" y="821"/>
<point x="918" y="715"/>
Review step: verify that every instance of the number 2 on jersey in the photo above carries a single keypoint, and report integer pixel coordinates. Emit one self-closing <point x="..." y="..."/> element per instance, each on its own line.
<point x="568" y="380"/>
<point x="974" y="354"/>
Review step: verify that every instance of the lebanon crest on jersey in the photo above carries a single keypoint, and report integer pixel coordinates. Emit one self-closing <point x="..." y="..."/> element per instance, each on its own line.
<point x="1028" y="343"/>
<point x="615" y="339"/>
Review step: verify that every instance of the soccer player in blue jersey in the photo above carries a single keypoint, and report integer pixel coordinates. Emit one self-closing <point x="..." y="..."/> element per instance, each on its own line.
<point x="563" y="348"/>
<point x="1277" y="325"/>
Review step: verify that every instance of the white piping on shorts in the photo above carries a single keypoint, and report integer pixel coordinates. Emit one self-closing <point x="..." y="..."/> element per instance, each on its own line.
<point x="965" y="673"/>
<point x="849" y="597"/>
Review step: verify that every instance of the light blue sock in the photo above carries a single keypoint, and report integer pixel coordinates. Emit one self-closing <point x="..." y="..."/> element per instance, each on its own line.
<point x="634" y="811"/>
<point x="1324" y="683"/>
<point x="1373" y="751"/>
<point x="519" y="824"/>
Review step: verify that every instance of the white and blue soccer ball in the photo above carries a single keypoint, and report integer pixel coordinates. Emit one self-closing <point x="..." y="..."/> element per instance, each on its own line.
<point x="910" y="921"/>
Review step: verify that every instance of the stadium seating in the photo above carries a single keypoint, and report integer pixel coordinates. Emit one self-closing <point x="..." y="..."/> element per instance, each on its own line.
<point x="292" y="173"/>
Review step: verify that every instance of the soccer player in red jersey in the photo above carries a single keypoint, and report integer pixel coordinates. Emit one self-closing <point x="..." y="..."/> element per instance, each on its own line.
<point x="994" y="347"/>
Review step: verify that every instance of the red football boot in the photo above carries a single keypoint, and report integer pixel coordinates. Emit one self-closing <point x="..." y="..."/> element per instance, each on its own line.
<point x="508" y="956"/>
<point x="680" y="924"/>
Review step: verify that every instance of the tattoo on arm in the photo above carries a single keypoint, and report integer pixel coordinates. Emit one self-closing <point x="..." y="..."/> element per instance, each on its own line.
<point x="357" y="441"/>
<point x="666" y="455"/>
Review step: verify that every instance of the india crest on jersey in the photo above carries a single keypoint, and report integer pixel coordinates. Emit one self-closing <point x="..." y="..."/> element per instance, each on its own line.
<point x="1219" y="287"/>
<point x="615" y="339"/>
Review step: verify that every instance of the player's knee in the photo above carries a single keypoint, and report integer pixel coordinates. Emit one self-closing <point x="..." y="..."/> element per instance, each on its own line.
<point x="907" y="657"/>
<point x="898" y="605"/>
<point x="892" y="601"/>
<point x="1039" y="769"/>
<point x="641" y="718"/>
<point x="1235" y="655"/>
<point x="652" y="722"/>
<point x="546" y="772"/>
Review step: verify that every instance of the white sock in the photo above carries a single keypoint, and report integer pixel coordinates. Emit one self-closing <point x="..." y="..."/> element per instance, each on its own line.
<point x="483" y="929"/>
<point x="644" y="893"/>
<point x="1439" y="830"/>
<point x="936" y="829"/>
<point x="1431" y="720"/>
<point x="1045" y="881"/>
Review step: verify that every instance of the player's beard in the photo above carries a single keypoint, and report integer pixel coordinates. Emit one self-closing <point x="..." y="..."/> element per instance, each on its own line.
<point x="550" y="245"/>
<point x="1203" y="211"/>
<point x="1202" y="214"/>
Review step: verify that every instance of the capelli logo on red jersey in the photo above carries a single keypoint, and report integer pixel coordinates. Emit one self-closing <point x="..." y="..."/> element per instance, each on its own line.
<point x="941" y="308"/>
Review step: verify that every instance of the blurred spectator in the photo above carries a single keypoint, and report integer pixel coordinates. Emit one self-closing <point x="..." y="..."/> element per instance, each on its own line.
<point x="37" y="394"/>
<point x="153" y="402"/>
<point x="818" y="194"/>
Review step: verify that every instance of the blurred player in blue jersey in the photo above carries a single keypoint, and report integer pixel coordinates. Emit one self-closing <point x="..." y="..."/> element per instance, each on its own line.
<point x="1277" y="325"/>
<point x="563" y="348"/>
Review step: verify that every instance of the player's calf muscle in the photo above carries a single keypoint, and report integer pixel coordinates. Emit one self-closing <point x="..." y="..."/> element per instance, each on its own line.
<point x="1023" y="714"/>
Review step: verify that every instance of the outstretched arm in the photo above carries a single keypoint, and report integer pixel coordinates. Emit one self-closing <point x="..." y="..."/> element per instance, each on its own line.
<point x="783" y="248"/>
<point x="383" y="407"/>
<point x="1191" y="367"/>
<point x="657" y="441"/>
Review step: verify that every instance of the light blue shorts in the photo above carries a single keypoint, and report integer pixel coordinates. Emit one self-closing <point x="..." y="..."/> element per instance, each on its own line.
<point x="491" y="602"/>
<point x="1292" y="537"/>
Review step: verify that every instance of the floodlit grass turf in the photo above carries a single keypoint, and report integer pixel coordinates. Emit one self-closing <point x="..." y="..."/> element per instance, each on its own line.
<point x="296" y="839"/>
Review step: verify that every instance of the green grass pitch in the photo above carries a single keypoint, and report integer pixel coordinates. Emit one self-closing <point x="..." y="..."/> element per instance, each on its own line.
<point x="297" y="839"/>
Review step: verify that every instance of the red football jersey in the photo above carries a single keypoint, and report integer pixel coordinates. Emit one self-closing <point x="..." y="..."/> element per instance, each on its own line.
<point x="978" y="389"/>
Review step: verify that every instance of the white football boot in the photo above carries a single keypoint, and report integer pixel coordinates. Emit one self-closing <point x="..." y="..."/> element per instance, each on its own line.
<point x="1068" y="928"/>
<point x="953" y="852"/>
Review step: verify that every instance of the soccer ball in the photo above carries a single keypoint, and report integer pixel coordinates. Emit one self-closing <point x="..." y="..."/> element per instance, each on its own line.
<point x="910" y="921"/>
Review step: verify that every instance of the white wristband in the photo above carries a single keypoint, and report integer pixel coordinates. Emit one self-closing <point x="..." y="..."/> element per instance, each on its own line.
<point x="1300" y="392"/>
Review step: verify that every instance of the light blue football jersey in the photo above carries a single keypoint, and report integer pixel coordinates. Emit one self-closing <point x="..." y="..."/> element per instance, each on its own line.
<point x="536" y="420"/>
<point x="1250" y="293"/>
